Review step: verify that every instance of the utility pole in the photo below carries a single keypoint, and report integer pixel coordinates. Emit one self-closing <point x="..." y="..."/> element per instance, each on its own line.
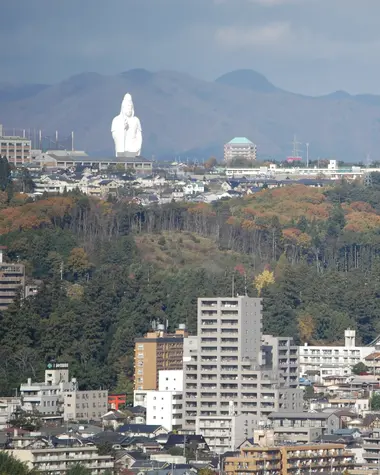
<point x="295" y="147"/>
<point x="307" y="154"/>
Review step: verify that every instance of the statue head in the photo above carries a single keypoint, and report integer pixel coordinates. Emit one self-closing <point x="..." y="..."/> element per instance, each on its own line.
<point x="127" y="109"/>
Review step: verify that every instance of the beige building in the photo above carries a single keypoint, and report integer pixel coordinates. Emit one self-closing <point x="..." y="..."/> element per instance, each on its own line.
<point x="84" y="405"/>
<point x="156" y="351"/>
<point x="291" y="459"/>
<point x="58" y="460"/>
<point x="16" y="149"/>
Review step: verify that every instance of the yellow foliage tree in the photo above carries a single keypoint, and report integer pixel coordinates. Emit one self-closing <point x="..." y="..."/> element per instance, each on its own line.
<point x="263" y="280"/>
<point x="78" y="262"/>
<point x="306" y="327"/>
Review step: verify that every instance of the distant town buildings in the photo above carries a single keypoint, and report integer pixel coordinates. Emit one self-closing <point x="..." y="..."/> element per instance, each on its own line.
<point x="16" y="149"/>
<point x="157" y="350"/>
<point x="240" y="147"/>
<point x="68" y="159"/>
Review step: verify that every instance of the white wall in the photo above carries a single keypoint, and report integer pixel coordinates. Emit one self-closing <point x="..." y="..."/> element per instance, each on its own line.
<point x="159" y="408"/>
<point x="170" y="380"/>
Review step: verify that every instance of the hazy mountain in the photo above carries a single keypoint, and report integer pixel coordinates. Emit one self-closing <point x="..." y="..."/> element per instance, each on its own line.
<point x="247" y="79"/>
<point x="17" y="92"/>
<point x="182" y="115"/>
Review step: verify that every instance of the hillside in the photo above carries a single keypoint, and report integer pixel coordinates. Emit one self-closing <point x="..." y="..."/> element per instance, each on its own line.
<point x="183" y="115"/>
<point x="109" y="269"/>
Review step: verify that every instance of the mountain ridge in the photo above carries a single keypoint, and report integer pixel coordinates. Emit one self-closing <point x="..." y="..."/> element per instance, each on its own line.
<point x="183" y="115"/>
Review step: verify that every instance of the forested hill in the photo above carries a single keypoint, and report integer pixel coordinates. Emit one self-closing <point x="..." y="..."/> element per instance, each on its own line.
<point x="312" y="254"/>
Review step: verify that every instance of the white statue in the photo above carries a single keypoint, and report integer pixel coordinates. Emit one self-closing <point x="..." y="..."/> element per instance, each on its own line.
<point x="126" y="129"/>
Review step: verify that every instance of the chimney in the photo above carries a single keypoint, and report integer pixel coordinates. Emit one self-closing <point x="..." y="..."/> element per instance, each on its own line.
<point x="1" y="130"/>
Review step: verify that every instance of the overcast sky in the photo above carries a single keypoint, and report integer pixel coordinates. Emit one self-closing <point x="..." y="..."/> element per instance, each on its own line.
<point x="308" y="46"/>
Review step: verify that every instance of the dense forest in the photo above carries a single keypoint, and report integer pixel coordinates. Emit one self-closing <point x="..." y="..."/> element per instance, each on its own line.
<point x="109" y="268"/>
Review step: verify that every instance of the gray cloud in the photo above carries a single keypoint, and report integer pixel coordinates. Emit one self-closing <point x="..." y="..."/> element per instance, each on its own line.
<point x="311" y="46"/>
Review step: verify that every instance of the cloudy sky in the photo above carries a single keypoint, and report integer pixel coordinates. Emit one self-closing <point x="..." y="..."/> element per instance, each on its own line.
<point x="308" y="46"/>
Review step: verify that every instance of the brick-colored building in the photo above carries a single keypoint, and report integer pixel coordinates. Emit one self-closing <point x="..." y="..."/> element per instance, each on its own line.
<point x="12" y="281"/>
<point x="291" y="459"/>
<point x="157" y="350"/>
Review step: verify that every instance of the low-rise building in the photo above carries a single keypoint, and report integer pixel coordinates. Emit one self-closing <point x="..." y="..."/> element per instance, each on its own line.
<point x="322" y="361"/>
<point x="223" y="433"/>
<point x="291" y="459"/>
<point x="16" y="149"/>
<point x="59" y="397"/>
<point x="59" y="460"/>
<point x="84" y="405"/>
<point x="303" y="426"/>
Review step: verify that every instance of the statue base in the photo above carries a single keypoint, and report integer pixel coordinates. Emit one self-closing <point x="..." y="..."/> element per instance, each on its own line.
<point x="126" y="154"/>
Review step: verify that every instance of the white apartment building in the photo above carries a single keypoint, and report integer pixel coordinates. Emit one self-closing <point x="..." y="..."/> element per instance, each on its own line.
<point x="322" y="361"/>
<point x="45" y="397"/>
<point x="165" y="406"/>
<point x="230" y="369"/>
<point x="59" y="397"/>
<point x="58" y="460"/>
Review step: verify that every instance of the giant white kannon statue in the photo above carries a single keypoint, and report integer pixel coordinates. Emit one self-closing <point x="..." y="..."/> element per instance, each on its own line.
<point x="126" y="130"/>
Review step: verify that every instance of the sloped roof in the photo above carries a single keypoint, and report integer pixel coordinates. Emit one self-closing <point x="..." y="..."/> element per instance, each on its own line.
<point x="240" y="140"/>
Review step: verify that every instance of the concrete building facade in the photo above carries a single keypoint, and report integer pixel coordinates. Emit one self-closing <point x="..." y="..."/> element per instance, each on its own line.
<point x="240" y="147"/>
<point x="17" y="150"/>
<point x="84" y="405"/>
<point x="287" y="460"/>
<point x="156" y="351"/>
<point x="59" y="460"/>
<point x="58" y="396"/>
<point x="229" y="371"/>
<point x="164" y="406"/>
<point x="322" y="361"/>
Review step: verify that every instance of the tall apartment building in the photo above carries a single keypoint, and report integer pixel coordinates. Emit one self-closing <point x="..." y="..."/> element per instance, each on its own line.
<point x="240" y="147"/>
<point x="12" y="281"/>
<point x="230" y="369"/>
<point x="317" y="362"/>
<point x="18" y="150"/>
<point x="291" y="459"/>
<point x="156" y="351"/>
